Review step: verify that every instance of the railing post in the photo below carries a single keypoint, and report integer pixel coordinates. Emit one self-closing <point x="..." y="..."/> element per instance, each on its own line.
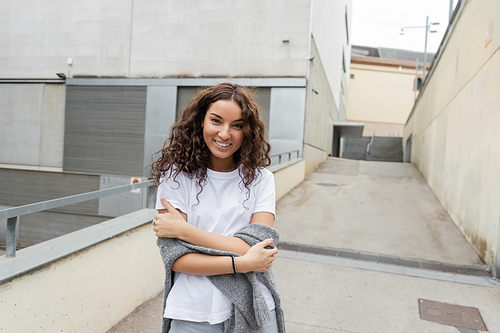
<point x="151" y="197"/>
<point x="10" y="248"/>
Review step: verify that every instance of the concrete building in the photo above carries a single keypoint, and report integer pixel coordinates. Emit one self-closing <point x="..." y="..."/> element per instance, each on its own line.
<point x="93" y="87"/>
<point x="382" y="88"/>
<point x="125" y="67"/>
<point x="452" y="133"/>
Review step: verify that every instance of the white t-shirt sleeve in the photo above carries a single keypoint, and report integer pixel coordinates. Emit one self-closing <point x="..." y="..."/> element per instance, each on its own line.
<point x="265" y="193"/>
<point x="175" y="192"/>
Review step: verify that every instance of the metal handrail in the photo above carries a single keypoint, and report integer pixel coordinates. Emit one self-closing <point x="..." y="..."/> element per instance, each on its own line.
<point x="369" y="146"/>
<point x="12" y="214"/>
<point x="289" y="153"/>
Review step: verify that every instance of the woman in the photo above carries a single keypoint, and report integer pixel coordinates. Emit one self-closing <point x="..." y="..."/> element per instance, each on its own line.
<point x="211" y="174"/>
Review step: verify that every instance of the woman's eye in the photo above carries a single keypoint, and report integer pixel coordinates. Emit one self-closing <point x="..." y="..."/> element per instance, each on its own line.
<point x="216" y="121"/>
<point x="239" y="126"/>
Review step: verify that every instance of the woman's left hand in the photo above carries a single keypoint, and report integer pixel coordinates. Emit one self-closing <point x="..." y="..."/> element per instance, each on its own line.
<point x="169" y="222"/>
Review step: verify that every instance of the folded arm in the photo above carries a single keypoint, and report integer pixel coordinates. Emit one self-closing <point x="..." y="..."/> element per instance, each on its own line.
<point x="171" y="223"/>
<point x="257" y="259"/>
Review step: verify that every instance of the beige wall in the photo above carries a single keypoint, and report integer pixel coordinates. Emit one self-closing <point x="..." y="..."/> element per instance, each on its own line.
<point x="287" y="178"/>
<point x="154" y="38"/>
<point x="455" y="128"/>
<point x="382" y="96"/>
<point x="382" y="129"/>
<point x="89" y="291"/>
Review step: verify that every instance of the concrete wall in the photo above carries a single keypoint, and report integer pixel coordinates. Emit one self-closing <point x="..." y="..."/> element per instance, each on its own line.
<point x="380" y="95"/>
<point x="160" y="115"/>
<point x="321" y="112"/>
<point x="87" y="291"/>
<point x="153" y="38"/>
<point x="32" y="125"/>
<point x="455" y="125"/>
<point x="331" y="31"/>
<point x="327" y="81"/>
<point x="208" y="38"/>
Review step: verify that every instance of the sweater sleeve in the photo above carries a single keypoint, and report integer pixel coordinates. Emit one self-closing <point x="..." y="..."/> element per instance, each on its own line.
<point x="249" y="310"/>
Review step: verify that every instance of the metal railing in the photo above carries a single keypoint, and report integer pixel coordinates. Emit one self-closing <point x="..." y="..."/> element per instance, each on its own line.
<point x="289" y="153"/>
<point x="12" y="214"/>
<point x="369" y="146"/>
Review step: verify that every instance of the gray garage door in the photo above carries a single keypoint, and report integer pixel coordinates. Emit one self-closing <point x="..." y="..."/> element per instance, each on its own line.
<point x="104" y="129"/>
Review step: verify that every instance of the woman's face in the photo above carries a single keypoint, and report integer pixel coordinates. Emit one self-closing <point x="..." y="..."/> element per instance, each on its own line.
<point x="223" y="133"/>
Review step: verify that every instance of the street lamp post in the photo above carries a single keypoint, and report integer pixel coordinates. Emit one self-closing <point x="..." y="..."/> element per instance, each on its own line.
<point x="425" y="48"/>
<point x="427" y="30"/>
<point x="451" y="11"/>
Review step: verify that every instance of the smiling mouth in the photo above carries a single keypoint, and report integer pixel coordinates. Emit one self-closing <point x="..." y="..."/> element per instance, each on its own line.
<point x="220" y="144"/>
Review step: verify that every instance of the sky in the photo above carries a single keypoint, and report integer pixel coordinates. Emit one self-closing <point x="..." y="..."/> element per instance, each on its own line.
<point x="378" y="23"/>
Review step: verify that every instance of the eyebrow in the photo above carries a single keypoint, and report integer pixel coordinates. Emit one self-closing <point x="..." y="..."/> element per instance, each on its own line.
<point x="216" y="115"/>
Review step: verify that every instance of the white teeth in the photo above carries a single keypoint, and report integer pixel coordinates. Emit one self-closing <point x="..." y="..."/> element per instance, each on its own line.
<point x="222" y="144"/>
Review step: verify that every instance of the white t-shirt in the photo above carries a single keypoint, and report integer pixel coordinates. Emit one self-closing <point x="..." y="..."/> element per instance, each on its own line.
<point x="222" y="209"/>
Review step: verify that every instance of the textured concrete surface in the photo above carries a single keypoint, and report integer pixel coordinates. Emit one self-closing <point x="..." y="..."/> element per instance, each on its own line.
<point x="378" y="207"/>
<point x="375" y="207"/>
<point x="145" y="318"/>
<point x="320" y="298"/>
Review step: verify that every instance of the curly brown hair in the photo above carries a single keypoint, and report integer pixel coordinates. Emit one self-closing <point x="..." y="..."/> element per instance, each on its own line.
<point x="185" y="149"/>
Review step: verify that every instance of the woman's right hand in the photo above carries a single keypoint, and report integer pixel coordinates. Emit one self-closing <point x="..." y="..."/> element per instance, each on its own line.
<point x="257" y="258"/>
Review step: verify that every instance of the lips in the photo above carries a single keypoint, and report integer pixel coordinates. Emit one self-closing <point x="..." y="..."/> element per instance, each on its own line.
<point x="222" y="145"/>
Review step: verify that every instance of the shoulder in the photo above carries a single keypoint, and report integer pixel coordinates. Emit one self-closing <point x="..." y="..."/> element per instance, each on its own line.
<point x="263" y="177"/>
<point x="264" y="174"/>
<point x="174" y="178"/>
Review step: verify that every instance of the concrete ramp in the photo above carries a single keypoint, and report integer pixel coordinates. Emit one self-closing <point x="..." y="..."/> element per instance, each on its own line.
<point x="377" y="207"/>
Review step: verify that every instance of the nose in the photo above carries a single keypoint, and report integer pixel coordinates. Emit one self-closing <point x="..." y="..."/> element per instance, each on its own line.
<point x="225" y="133"/>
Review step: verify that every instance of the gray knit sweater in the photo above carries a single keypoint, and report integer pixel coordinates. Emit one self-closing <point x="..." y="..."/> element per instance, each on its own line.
<point x="249" y="310"/>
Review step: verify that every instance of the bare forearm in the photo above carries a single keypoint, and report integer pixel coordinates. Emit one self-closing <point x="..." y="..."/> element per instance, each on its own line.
<point x="194" y="235"/>
<point x="257" y="259"/>
<point x="202" y="264"/>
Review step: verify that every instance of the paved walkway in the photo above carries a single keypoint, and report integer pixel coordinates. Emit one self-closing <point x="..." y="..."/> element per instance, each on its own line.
<point x="351" y="234"/>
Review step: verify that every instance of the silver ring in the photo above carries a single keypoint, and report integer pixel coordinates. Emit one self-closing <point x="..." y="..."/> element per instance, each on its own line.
<point x="154" y="225"/>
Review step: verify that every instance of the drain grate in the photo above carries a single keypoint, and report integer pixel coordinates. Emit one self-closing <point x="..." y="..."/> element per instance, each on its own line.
<point x="477" y="272"/>
<point x="320" y="250"/>
<point x="398" y="261"/>
<point x="384" y="259"/>
<point x="451" y="314"/>
<point x="327" y="184"/>
<point x="357" y="255"/>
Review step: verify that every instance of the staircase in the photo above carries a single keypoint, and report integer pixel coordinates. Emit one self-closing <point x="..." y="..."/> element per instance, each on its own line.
<point x="383" y="149"/>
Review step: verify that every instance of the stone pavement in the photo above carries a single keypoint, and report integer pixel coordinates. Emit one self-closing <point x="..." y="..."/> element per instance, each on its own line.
<point x="350" y="234"/>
